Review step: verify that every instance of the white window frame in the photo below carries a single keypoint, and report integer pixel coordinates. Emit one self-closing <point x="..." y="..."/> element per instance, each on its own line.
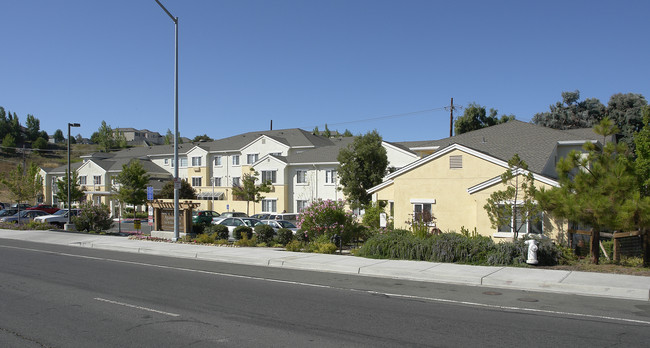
<point x="236" y="181"/>
<point x="273" y="208"/>
<point x="527" y="227"/>
<point x="301" y="204"/>
<point x="217" y="161"/>
<point x="235" y="160"/>
<point x="166" y="161"/>
<point x="266" y="173"/>
<point x="252" y="158"/>
<point x="301" y="179"/>
<point x="197" y="180"/>
<point x="330" y="176"/>
<point x="83" y="180"/>
<point x="215" y="181"/>
<point x="183" y="162"/>
<point x="97" y="180"/>
<point x="424" y="206"/>
<point x="196" y="161"/>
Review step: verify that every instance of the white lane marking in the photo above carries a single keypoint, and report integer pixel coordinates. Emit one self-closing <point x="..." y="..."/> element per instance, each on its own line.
<point x="136" y="307"/>
<point x="414" y="297"/>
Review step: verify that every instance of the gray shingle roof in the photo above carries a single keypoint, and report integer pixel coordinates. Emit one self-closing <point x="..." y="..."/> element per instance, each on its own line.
<point x="533" y="143"/>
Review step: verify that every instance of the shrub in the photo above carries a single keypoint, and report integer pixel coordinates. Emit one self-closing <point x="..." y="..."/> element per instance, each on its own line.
<point x="285" y="236"/>
<point x="454" y="247"/>
<point x="205" y="238"/>
<point x="371" y="215"/>
<point x="219" y="231"/>
<point x="198" y="228"/>
<point x="294" y="245"/>
<point x="93" y="218"/>
<point x="327" y="218"/>
<point x="245" y="241"/>
<point x="264" y="233"/>
<point x="237" y="233"/>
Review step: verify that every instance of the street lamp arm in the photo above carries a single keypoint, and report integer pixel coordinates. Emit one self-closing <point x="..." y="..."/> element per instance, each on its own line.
<point x="175" y="19"/>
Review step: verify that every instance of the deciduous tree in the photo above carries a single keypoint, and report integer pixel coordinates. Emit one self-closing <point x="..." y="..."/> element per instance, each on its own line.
<point x="516" y="200"/>
<point x="475" y="117"/>
<point x="75" y="190"/>
<point x="362" y="165"/>
<point x="249" y="190"/>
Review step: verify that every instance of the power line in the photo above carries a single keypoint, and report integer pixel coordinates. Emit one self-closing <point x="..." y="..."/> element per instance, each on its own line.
<point x="385" y="117"/>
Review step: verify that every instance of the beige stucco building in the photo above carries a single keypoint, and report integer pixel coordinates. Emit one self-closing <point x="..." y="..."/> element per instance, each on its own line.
<point x="454" y="182"/>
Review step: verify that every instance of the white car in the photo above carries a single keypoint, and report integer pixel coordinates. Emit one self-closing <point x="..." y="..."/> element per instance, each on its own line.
<point x="59" y="218"/>
<point x="233" y="222"/>
<point x="278" y="224"/>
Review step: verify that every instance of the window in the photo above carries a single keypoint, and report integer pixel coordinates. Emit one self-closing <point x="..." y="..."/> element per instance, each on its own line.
<point x="183" y="162"/>
<point x="330" y="176"/>
<point x="301" y="176"/>
<point x="235" y="160"/>
<point x="97" y="180"/>
<point x="301" y="205"/>
<point x="269" y="175"/>
<point x="275" y="153"/>
<point x="235" y="181"/>
<point x="252" y="158"/>
<point x="269" y="205"/>
<point x="217" y="161"/>
<point x="534" y="225"/>
<point x="216" y="181"/>
<point x="422" y="212"/>
<point x="82" y="180"/>
<point x="196" y="181"/>
<point x="166" y="161"/>
<point x="196" y="161"/>
<point x="456" y="162"/>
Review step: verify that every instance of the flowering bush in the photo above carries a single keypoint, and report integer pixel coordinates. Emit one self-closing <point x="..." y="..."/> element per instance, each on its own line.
<point x="327" y="218"/>
<point x="92" y="217"/>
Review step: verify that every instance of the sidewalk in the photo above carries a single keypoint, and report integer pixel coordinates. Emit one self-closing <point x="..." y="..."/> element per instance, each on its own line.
<point x="567" y="282"/>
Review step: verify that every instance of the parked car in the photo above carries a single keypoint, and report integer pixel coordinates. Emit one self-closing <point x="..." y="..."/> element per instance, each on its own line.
<point x="233" y="214"/>
<point x="8" y="212"/>
<point x="44" y="207"/>
<point x="278" y="224"/>
<point x="292" y="217"/>
<point x="233" y="222"/>
<point x="25" y="216"/>
<point x="262" y="216"/>
<point x="59" y="218"/>
<point x="204" y="216"/>
<point x="22" y="206"/>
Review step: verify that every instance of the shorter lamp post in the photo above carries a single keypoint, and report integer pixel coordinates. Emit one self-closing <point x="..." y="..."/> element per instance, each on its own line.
<point x="69" y="226"/>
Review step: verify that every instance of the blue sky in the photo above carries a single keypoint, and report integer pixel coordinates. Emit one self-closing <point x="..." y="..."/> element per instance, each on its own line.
<point x="303" y="64"/>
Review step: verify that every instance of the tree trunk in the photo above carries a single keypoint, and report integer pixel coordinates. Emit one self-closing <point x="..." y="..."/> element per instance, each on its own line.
<point x="595" y="245"/>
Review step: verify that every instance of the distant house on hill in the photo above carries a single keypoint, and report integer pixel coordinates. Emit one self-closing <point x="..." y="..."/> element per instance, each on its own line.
<point x="140" y="136"/>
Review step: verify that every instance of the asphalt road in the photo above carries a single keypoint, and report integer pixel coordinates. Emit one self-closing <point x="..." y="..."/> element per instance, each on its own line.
<point x="56" y="296"/>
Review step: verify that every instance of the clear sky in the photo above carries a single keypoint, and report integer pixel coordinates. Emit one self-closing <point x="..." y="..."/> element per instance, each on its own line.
<point x="305" y="63"/>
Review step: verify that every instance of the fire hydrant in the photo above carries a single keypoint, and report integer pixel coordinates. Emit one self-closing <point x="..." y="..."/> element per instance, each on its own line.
<point x="532" y="252"/>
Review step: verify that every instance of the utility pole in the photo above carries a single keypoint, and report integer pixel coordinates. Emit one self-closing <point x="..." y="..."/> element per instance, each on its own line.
<point x="451" y="118"/>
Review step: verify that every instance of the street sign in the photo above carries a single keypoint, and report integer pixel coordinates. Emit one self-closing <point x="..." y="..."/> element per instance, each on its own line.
<point x="150" y="193"/>
<point x="177" y="183"/>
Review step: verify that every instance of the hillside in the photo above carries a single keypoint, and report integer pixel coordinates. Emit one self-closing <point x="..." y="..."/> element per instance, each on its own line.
<point x="54" y="156"/>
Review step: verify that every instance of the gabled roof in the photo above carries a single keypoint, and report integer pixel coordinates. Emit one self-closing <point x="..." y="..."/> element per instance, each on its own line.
<point x="533" y="143"/>
<point x="323" y="154"/>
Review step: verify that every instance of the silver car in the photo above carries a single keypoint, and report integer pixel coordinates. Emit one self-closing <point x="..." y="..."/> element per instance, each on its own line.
<point x="59" y="218"/>
<point x="233" y="222"/>
<point x="25" y="216"/>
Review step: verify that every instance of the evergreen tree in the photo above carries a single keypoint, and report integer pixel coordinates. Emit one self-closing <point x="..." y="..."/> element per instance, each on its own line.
<point x="9" y="144"/>
<point x="58" y="136"/>
<point x="600" y="189"/>
<point x="185" y="192"/>
<point x="131" y="184"/>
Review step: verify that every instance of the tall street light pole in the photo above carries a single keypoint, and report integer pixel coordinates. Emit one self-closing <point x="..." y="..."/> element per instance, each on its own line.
<point x="69" y="226"/>
<point x="176" y="181"/>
